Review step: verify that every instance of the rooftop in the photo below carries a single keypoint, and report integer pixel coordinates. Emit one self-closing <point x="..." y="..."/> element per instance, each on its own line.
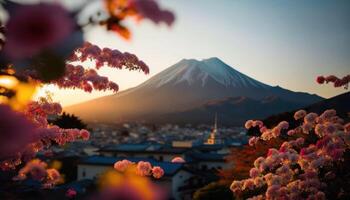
<point x="169" y="168"/>
<point x="207" y="156"/>
<point x="144" y="148"/>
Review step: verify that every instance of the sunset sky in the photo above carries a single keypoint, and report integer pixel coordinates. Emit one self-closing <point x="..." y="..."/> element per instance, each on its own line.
<point x="285" y="43"/>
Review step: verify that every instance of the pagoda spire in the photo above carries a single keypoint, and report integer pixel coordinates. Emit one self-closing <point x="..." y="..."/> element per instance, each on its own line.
<point x="216" y="122"/>
<point x="212" y="139"/>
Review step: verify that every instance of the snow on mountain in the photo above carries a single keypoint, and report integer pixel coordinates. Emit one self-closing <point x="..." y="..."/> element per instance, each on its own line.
<point x="191" y="71"/>
<point x="184" y="86"/>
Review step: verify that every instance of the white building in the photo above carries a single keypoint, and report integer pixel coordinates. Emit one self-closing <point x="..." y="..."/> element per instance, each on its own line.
<point x="158" y="152"/>
<point x="175" y="174"/>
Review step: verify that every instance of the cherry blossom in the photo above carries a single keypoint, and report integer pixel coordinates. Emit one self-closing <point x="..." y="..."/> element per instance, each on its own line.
<point x="144" y="168"/>
<point x="293" y="170"/>
<point x="157" y="172"/>
<point x="122" y="165"/>
<point x="337" y="82"/>
<point x="37" y="170"/>
<point x="16" y="131"/>
<point x="71" y="193"/>
<point x="23" y="38"/>
<point x="149" y="9"/>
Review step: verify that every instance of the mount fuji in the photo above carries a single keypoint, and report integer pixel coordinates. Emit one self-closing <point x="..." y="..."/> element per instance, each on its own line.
<point x="191" y="86"/>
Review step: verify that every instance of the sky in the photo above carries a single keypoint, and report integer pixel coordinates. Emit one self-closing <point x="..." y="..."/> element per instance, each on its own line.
<point x="285" y="43"/>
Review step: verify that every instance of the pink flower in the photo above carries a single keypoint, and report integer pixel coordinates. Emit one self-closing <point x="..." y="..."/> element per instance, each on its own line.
<point x="157" y="172"/>
<point x="328" y="114"/>
<point x="236" y="186"/>
<point x="144" y="168"/>
<point x="310" y="118"/>
<point x="272" y="192"/>
<point x="150" y="9"/>
<point x="330" y="128"/>
<point x="307" y="127"/>
<point x="347" y="128"/>
<point x="35" y="168"/>
<point x="283" y="125"/>
<point x="258" y="162"/>
<point x="258" y="123"/>
<point x="253" y="141"/>
<point x="254" y="172"/>
<point x="84" y="134"/>
<point x="71" y="193"/>
<point x="291" y="132"/>
<point x="320" y="79"/>
<point x="276" y="131"/>
<point x="249" y="124"/>
<point x="32" y="28"/>
<point x="263" y="129"/>
<point x="15" y="131"/>
<point x="122" y="165"/>
<point x="272" y="151"/>
<point x="299" y="114"/>
<point x="248" y="184"/>
<point x="300" y="141"/>
<point x="320" y="130"/>
<point x="178" y="160"/>
<point x="259" y="181"/>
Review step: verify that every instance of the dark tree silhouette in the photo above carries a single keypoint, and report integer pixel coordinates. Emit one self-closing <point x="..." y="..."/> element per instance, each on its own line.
<point x="67" y="120"/>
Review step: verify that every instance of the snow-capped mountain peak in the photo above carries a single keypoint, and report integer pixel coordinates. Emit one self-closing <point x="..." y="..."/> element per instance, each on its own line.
<point x="193" y="71"/>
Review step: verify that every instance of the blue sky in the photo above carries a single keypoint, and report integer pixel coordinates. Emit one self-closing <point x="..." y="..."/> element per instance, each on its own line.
<point x="278" y="42"/>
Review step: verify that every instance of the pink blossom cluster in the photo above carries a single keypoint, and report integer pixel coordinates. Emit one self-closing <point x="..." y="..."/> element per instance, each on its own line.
<point x="37" y="170"/>
<point x="76" y="77"/>
<point x="23" y="40"/>
<point x="293" y="170"/>
<point x="150" y="9"/>
<point x="142" y="168"/>
<point x="267" y="134"/>
<point x="253" y="123"/>
<point x="109" y="57"/>
<point x="16" y="131"/>
<point x="71" y="193"/>
<point x="38" y="134"/>
<point x="337" y="82"/>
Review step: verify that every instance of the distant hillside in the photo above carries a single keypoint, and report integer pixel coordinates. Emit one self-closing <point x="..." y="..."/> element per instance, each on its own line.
<point x="230" y="111"/>
<point x="340" y="103"/>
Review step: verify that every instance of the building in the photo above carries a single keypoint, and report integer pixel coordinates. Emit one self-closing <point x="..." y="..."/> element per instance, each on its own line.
<point x="160" y="152"/>
<point x="208" y="161"/>
<point x="175" y="174"/>
<point x="213" y="139"/>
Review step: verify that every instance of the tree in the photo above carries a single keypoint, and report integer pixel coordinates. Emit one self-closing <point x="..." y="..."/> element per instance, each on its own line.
<point x="42" y="43"/>
<point x="69" y="121"/>
<point x="301" y="168"/>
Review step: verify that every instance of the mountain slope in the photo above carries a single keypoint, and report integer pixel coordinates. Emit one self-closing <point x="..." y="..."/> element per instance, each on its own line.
<point x="230" y="111"/>
<point x="340" y="103"/>
<point x="183" y="86"/>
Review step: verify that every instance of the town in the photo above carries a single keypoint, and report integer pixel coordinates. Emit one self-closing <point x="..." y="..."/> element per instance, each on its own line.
<point x="201" y="151"/>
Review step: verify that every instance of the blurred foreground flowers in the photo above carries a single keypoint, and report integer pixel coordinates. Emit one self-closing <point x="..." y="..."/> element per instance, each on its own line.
<point x="41" y="43"/>
<point x="129" y="181"/>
